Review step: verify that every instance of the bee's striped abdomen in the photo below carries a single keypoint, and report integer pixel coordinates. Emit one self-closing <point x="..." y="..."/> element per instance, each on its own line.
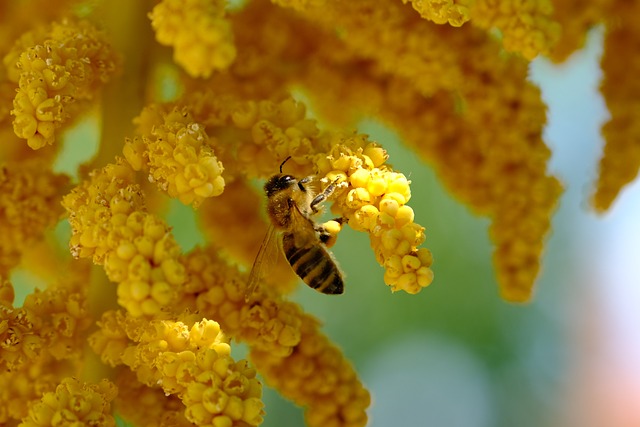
<point x="313" y="265"/>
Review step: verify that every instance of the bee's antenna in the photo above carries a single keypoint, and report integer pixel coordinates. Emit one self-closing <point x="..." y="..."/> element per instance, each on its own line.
<point x="282" y="164"/>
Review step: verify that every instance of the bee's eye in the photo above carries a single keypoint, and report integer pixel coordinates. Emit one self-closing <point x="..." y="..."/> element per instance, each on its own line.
<point x="278" y="183"/>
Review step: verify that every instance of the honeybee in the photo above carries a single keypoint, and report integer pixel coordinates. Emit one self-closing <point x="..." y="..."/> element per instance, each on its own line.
<point x="290" y="207"/>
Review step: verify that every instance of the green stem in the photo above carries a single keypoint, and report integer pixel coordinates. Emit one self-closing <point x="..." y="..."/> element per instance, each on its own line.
<point x="130" y="32"/>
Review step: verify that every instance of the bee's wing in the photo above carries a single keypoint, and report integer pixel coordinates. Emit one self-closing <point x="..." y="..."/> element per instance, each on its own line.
<point x="267" y="251"/>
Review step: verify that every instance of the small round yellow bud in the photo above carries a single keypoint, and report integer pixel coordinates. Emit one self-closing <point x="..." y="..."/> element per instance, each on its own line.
<point x="337" y="176"/>
<point x="364" y="218"/>
<point x="425" y="256"/>
<point x="394" y="265"/>
<point x="403" y="248"/>
<point x="342" y="163"/>
<point x="289" y="336"/>
<point x="214" y="400"/>
<point x="126" y="250"/>
<point x="25" y="125"/>
<point x="425" y="276"/>
<point x="36" y="141"/>
<point x="222" y="421"/>
<point x="399" y="198"/>
<point x="404" y="215"/>
<point x="220" y="366"/>
<point x="253" y="410"/>
<point x="45" y="111"/>
<point x="245" y="115"/>
<point x="323" y="164"/>
<point x="357" y="198"/>
<point x="359" y="178"/>
<point x="386" y="220"/>
<point x="377" y="185"/>
<point x="400" y="185"/>
<point x="408" y="282"/>
<point x="198" y="414"/>
<point x="133" y="151"/>
<point x="391" y="238"/>
<point x="389" y="206"/>
<point x="161" y="292"/>
<point x="234" y="408"/>
<point x="47" y="130"/>
<point x="138" y="290"/>
<point x="410" y="263"/>
<point x="174" y="271"/>
<point x="377" y="154"/>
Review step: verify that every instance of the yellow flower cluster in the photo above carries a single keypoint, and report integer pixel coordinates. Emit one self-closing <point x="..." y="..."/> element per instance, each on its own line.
<point x="55" y="69"/>
<point x="453" y="12"/>
<point x="109" y="224"/>
<point x="267" y="323"/>
<point x="198" y="31"/>
<point x="20" y="342"/>
<point x="254" y="136"/>
<point x="74" y="403"/>
<point x="485" y="141"/>
<point x="275" y="331"/>
<point x="22" y="388"/>
<point x="144" y="406"/>
<point x="176" y="152"/>
<point x="271" y="131"/>
<point x="374" y="199"/>
<point x="527" y="27"/>
<point x="29" y="203"/>
<point x="397" y="40"/>
<point x="52" y="321"/>
<point x="620" y="161"/>
<point x="42" y="341"/>
<point x="450" y="91"/>
<point x="285" y="343"/>
<point x="575" y="17"/>
<point x="317" y="376"/>
<point x="188" y="359"/>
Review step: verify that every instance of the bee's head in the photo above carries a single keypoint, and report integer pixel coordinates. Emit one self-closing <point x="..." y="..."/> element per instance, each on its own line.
<point x="278" y="183"/>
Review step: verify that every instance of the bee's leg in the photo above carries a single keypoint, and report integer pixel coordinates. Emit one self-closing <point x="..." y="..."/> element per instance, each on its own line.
<point x="323" y="196"/>
<point x="304" y="180"/>
<point x="328" y="232"/>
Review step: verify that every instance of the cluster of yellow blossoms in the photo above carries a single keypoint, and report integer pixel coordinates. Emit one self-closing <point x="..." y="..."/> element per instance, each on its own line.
<point x="191" y="362"/>
<point x="219" y="109"/>
<point x="54" y="69"/>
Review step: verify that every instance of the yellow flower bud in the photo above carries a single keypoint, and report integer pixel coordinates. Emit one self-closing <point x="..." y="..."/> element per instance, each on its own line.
<point x="389" y="206"/>
<point x="404" y="215"/>
<point x="357" y="198"/>
<point x="137" y="290"/>
<point x="410" y="263"/>
<point x="364" y="218"/>
<point x="336" y="176"/>
<point x="377" y="185"/>
<point x="376" y="153"/>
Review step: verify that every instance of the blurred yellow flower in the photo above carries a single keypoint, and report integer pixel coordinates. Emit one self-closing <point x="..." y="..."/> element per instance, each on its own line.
<point x="222" y="107"/>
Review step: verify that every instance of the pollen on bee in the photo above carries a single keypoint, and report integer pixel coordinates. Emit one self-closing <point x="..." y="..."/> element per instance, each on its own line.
<point x="332" y="227"/>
